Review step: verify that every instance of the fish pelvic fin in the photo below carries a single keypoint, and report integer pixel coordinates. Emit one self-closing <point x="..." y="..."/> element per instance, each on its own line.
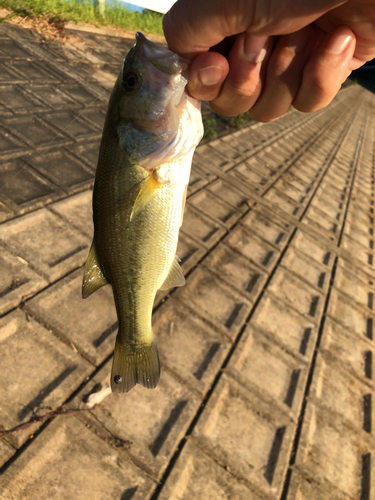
<point x="135" y="364"/>
<point x="150" y="188"/>
<point x="175" y="276"/>
<point x="93" y="277"/>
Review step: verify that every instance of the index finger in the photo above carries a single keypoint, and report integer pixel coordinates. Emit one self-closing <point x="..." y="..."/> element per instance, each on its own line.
<point x="192" y="27"/>
<point x="190" y="31"/>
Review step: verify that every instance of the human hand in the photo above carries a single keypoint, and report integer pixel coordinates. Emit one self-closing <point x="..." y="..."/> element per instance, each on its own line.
<point x="270" y="55"/>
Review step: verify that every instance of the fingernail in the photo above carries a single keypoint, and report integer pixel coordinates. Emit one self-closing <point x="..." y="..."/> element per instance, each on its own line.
<point x="210" y="75"/>
<point x="254" y="48"/>
<point x="338" y="44"/>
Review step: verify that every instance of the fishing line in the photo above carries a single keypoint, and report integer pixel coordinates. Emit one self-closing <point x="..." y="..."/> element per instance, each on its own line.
<point x="52" y="140"/>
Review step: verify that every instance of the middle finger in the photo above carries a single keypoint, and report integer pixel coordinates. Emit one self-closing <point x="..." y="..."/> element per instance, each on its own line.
<point x="284" y="74"/>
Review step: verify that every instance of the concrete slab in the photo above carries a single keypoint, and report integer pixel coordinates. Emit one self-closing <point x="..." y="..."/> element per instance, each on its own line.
<point x="356" y="284"/>
<point x="264" y="163"/>
<point x="87" y="153"/>
<point x="313" y="248"/>
<point x="226" y="150"/>
<point x="302" y="488"/>
<point x="255" y="248"/>
<point x="252" y="178"/>
<point x="36" y="132"/>
<point x="249" y="424"/>
<point x="188" y="346"/>
<point x="354" y="353"/>
<point x="77" y="212"/>
<point x="68" y="123"/>
<point x="198" y="476"/>
<point x="5" y="212"/>
<point x="199" y="178"/>
<point x="331" y="202"/>
<point x="283" y="203"/>
<point x="215" y="208"/>
<point x="242" y="433"/>
<point x="17" y="281"/>
<point x="6" y="451"/>
<point x="211" y="160"/>
<point x="335" y="192"/>
<point x="274" y="230"/>
<point x="353" y="250"/>
<point x="359" y="232"/>
<point x="89" y="326"/>
<point x="215" y="301"/>
<point x="46" y="242"/>
<point x="295" y="181"/>
<point x="334" y="456"/>
<point x="329" y="227"/>
<point x="338" y="390"/>
<point x="63" y="169"/>
<point x="350" y="316"/>
<point x="294" y="292"/>
<point x="153" y="420"/>
<point x="244" y="141"/>
<point x="189" y="251"/>
<point x="268" y="371"/>
<point x="295" y="193"/>
<point x="23" y="188"/>
<point x="201" y="228"/>
<point x="306" y="268"/>
<point x="359" y="218"/>
<point x="286" y="326"/>
<point x="33" y="383"/>
<point x="74" y="463"/>
<point x="238" y="271"/>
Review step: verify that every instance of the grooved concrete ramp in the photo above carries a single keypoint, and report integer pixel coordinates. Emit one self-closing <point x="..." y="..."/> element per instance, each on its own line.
<point x="267" y="352"/>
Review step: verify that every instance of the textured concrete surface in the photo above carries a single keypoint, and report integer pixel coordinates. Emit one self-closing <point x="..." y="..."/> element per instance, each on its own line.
<point x="267" y="381"/>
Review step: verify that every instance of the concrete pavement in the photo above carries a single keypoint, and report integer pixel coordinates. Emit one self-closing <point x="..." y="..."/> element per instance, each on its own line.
<point x="267" y="372"/>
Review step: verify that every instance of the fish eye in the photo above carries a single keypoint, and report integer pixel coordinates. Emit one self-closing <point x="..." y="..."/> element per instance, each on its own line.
<point x="131" y="81"/>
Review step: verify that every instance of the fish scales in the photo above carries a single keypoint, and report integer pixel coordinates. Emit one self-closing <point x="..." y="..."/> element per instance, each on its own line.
<point x="138" y="200"/>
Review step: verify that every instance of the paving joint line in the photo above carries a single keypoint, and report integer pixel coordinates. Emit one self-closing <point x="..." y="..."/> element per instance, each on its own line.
<point x="208" y="394"/>
<point x="84" y="383"/>
<point x="217" y="378"/>
<point x="300" y="420"/>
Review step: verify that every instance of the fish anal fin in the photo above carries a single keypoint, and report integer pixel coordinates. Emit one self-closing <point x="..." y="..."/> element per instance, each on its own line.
<point x="175" y="276"/>
<point x="150" y="188"/>
<point x="93" y="277"/>
<point x="135" y="364"/>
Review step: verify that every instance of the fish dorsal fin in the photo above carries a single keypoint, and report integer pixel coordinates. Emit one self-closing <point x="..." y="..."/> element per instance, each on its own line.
<point x="93" y="277"/>
<point x="150" y="188"/>
<point x="175" y="276"/>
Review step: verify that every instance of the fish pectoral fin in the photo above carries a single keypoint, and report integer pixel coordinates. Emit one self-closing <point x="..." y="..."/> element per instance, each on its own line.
<point x="150" y="188"/>
<point x="93" y="277"/>
<point x="175" y="276"/>
<point x="135" y="364"/>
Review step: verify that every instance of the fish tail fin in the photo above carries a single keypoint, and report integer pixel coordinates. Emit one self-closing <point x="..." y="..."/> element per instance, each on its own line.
<point x="135" y="364"/>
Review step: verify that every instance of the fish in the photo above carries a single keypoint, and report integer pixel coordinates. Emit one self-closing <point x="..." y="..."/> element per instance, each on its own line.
<point x="151" y="130"/>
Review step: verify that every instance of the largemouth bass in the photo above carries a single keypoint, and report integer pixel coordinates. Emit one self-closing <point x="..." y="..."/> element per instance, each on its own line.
<point x="151" y="130"/>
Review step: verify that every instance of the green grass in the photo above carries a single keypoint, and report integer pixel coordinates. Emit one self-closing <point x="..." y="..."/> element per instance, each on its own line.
<point x="240" y="120"/>
<point x="209" y="128"/>
<point x="87" y="11"/>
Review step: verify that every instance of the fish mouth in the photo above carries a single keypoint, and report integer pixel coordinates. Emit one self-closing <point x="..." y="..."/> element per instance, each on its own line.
<point x="161" y="57"/>
<point x="161" y="124"/>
